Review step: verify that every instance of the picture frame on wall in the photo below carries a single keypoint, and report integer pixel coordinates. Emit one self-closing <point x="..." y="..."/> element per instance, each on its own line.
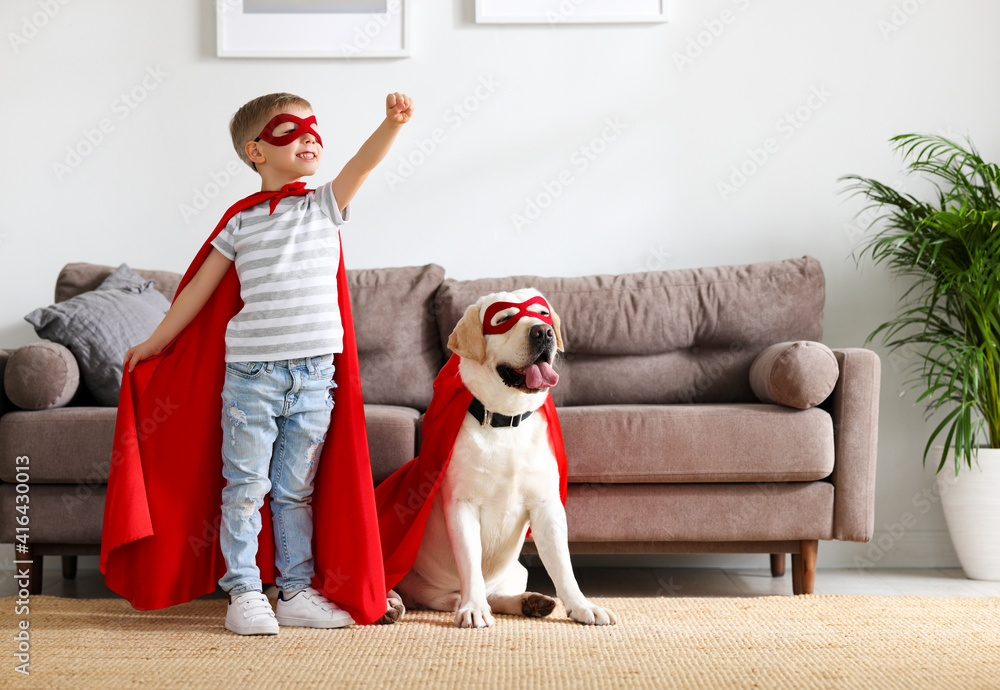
<point x="570" y="11"/>
<point x="312" y="28"/>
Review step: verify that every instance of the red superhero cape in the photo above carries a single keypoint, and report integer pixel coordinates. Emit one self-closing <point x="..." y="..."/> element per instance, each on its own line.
<point x="404" y="500"/>
<point x="160" y="543"/>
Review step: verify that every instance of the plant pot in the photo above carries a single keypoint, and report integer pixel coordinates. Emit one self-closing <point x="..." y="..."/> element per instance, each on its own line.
<point x="971" y="503"/>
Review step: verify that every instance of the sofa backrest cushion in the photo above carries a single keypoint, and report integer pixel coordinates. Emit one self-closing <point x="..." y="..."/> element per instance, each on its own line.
<point x="77" y="278"/>
<point x="396" y="331"/>
<point x="666" y="336"/>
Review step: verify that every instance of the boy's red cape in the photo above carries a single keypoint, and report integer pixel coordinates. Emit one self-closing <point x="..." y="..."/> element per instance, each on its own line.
<point x="160" y="543"/>
<point x="404" y="500"/>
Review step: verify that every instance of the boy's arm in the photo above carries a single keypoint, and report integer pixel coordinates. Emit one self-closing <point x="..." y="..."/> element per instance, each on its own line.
<point x="184" y="308"/>
<point x="398" y="111"/>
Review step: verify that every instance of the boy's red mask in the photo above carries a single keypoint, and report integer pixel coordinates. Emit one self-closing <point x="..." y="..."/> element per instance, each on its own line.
<point x="506" y="325"/>
<point x="304" y="126"/>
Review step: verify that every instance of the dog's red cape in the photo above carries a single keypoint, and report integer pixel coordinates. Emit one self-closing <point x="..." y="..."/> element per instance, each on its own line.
<point x="160" y="544"/>
<point x="404" y="500"/>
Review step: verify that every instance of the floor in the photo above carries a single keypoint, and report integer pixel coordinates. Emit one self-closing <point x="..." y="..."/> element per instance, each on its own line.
<point x="654" y="582"/>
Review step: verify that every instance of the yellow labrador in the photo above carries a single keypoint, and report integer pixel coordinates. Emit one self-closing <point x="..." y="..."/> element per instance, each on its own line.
<point x="502" y="476"/>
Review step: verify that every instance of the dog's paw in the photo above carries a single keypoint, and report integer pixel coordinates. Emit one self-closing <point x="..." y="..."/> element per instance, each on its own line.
<point x="536" y="605"/>
<point x="590" y="614"/>
<point x="472" y="616"/>
<point x="394" y="609"/>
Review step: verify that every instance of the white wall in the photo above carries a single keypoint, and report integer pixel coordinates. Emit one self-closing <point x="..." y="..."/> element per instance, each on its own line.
<point x="856" y="72"/>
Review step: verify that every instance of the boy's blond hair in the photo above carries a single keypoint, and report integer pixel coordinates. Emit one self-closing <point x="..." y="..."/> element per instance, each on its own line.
<point x="251" y="118"/>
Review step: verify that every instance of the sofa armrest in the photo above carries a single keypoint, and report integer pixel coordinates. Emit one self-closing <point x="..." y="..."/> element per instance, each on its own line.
<point x="854" y="408"/>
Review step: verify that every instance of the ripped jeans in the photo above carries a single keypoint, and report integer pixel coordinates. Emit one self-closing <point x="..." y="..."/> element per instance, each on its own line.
<point x="274" y="421"/>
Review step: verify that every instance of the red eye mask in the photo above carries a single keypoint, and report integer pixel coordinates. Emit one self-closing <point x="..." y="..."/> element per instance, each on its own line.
<point x="304" y="126"/>
<point x="504" y="326"/>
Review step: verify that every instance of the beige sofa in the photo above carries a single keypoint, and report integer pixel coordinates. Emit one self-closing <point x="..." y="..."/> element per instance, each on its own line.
<point x="670" y="448"/>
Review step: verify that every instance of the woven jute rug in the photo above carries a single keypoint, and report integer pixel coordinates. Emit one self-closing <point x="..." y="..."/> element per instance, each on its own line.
<point x="768" y="642"/>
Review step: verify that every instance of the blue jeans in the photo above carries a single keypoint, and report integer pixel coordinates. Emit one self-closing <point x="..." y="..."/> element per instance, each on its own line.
<point x="274" y="421"/>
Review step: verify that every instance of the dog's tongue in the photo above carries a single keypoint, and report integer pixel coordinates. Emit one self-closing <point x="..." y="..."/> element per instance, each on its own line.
<point x="540" y="375"/>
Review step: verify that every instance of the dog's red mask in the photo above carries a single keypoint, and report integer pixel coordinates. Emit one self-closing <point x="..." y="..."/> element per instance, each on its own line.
<point x="307" y="125"/>
<point x="508" y="323"/>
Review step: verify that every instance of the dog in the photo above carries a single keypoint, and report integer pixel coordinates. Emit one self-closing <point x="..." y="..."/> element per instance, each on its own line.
<point x="501" y="479"/>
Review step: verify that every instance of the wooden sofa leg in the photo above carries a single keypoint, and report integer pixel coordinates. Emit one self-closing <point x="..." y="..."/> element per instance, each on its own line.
<point x="804" y="567"/>
<point x="777" y="565"/>
<point x="69" y="567"/>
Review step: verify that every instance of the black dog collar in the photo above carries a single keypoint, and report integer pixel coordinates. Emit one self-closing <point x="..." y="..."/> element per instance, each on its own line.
<point x="494" y="419"/>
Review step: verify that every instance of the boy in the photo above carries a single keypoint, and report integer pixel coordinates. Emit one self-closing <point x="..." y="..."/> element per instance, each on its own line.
<point x="279" y="350"/>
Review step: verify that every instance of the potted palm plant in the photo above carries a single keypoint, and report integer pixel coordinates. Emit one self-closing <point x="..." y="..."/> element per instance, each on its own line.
<point x="948" y="322"/>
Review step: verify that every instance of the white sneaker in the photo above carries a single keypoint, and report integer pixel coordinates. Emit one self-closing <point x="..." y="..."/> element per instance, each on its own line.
<point x="308" y="608"/>
<point x="250" y="614"/>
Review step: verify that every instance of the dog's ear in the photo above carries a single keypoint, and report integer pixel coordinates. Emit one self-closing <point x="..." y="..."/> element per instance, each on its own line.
<point x="557" y="328"/>
<point x="467" y="340"/>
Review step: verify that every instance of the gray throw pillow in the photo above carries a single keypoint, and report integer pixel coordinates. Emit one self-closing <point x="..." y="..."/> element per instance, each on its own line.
<point x="100" y="326"/>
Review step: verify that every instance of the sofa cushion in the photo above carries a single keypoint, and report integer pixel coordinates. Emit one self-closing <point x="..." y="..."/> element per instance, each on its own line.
<point x="666" y="336"/>
<point x="396" y="331"/>
<point x="63" y="444"/>
<point x="76" y="278"/>
<point x="800" y="374"/>
<point x="59" y="514"/>
<point x="618" y="444"/>
<point x="41" y="375"/>
<point x="101" y="325"/>
<point x="697" y="513"/>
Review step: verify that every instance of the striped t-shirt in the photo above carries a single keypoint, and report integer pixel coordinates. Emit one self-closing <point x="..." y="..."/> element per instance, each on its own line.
<point x="287" y="265"/>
